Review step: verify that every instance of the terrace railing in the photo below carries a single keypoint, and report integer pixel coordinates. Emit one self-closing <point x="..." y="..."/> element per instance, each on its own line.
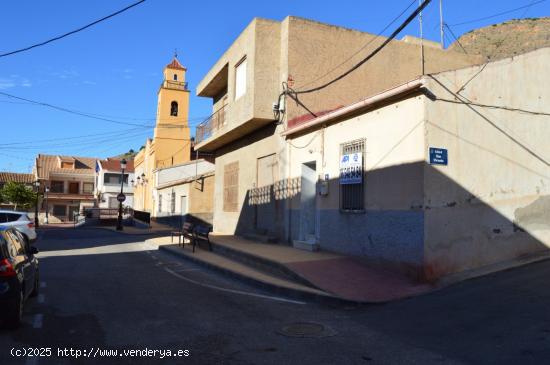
<point x="211" y="125"/>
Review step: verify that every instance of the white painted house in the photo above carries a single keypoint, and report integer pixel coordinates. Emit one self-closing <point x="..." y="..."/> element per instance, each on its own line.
<point x="108" y="183"/>
<point x="448" y="174"/>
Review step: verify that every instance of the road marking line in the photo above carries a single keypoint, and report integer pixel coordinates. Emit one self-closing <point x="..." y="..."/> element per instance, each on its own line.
<point x="37" y="321"/>
<point x="41" y="298"/>
<point x="234" y="291"/>
<point x="43" y="284"/>
<point x="188" y="269"/>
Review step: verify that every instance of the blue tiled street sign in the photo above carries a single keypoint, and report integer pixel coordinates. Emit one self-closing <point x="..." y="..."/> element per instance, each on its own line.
<point x="438" y="156"/>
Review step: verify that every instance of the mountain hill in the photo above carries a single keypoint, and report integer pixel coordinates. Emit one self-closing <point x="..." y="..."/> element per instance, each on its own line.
<point x="506" y="39"/>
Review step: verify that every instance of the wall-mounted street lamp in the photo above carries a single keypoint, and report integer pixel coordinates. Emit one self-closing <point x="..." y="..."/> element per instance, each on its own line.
<point x="37" y="189"/>
<point x="121" y="197"/>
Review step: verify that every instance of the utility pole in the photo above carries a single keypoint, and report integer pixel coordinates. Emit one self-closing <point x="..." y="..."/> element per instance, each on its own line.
<point x="421" y="40"/>
<point x="441" y="24"/>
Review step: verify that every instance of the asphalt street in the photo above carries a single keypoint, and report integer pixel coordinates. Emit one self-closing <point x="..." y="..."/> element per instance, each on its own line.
<point x="102" y="290"/>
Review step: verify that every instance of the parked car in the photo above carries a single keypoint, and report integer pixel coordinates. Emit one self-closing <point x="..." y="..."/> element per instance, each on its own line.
<point x="19" y="220"/>
<point x="19" y="275"/>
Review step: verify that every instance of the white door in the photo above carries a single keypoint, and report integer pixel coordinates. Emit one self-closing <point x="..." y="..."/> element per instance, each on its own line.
<point x="183" y="206"/>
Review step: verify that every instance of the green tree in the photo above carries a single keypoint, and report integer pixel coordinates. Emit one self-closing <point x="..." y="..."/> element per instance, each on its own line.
<point x="18" y="194"/>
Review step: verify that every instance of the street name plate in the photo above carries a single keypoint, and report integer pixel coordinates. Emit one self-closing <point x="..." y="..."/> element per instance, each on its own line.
<point x="438" y="156"/>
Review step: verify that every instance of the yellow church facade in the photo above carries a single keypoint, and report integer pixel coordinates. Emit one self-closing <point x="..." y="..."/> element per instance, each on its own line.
<point x="171" y="142"/>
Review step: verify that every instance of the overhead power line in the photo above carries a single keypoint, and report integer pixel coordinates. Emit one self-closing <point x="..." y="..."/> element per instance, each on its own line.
<point x="71" y="111"/>
<point x="498" y="14"/>
<point x="93" y="116"/>
<point x="469" y="104"/>
<point x="85" y="136"/>
<point x="500" y="107"/>
<point x="73" y="31"/>
<point x="455" y="37"/>
<point x="370" y="55"/>
<point x="365" y="46"/>
<point x="527" y="7"/>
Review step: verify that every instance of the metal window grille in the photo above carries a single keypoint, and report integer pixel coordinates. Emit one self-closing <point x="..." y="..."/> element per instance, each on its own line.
<point x="173" y="203"/>
<point x="352" y="196"/>
<point x="160" y="202"/>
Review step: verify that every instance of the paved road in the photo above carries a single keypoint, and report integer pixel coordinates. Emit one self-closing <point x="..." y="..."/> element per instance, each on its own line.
<point x="103" y="290"/>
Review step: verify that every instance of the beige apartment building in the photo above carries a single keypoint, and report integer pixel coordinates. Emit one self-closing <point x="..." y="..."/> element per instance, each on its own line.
<point x="253" y="177"/>
<point x="70" y="184"/>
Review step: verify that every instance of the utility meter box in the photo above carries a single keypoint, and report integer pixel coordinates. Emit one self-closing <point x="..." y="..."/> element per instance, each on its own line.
<point x="323" y="186"/>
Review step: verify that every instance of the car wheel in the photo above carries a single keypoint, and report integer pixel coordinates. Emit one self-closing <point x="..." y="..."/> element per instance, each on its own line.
<point x="15" y="315"/>
<point x="36" y="289"/>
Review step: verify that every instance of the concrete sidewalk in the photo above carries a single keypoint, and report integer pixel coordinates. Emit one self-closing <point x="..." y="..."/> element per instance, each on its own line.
<point x="320" y="274"/>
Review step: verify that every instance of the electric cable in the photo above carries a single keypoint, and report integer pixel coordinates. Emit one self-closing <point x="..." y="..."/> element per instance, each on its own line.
<point x="409" y="19"/>
<point x="468" y="103"/>
<point x="493" y="53"/>
<point x="498" y="14"/>
<point x="71" y="32"/>
<point x="365" y="46"/>
<point x="89" y="115"/>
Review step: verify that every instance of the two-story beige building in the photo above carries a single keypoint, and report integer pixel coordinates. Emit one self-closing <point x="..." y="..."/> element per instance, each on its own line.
<point x="253" y="179"/>
<point x="69" y="181"/>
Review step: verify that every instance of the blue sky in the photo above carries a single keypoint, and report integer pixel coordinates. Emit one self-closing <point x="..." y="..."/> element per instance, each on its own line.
<point x="114" y="69"/>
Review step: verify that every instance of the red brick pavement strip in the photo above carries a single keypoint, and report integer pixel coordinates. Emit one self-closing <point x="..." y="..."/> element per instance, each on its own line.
<point x="348" y="279"/>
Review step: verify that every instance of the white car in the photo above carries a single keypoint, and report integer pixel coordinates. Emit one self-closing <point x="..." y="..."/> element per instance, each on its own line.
<point x="20" y="221"/>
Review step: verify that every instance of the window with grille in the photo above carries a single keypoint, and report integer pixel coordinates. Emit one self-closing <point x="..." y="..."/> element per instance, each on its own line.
<point x="231" y="187"/>
<point x="352" y="176"/>
<point x="160" y="202"/>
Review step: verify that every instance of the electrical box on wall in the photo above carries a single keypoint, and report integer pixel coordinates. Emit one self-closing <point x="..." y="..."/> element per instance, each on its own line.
<point x="323" y="186"/>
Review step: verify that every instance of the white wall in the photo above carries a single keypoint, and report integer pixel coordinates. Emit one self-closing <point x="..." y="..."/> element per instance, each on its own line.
<point x="183" y="171"/>
<point x="391" y="227"/>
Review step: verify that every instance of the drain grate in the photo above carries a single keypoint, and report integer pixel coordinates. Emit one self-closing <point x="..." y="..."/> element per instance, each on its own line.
<point x="306" y="329"/>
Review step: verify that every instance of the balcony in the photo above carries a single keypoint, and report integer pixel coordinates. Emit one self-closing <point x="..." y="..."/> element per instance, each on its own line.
<point x="176" y="85"/>
<point x="211" y="125"/>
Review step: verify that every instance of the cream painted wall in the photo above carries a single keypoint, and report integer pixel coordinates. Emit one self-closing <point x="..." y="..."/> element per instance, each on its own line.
<point x="394" y="136"/>
<point x="261" y="143"/>
<point x="498" y="177"/>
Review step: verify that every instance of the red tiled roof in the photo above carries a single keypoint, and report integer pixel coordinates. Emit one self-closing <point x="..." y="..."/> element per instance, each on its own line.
<point x="175" y="64"/>
<point x="113" y="164"/>
<point x="16" y="177"/>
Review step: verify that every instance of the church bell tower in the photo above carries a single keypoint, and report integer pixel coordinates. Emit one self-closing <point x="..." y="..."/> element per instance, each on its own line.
<point x="172" y="137"/>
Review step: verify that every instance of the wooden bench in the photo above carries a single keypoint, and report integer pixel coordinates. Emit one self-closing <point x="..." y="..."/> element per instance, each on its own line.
<point x="185" y="232"/>
<point x="201" y="233"/>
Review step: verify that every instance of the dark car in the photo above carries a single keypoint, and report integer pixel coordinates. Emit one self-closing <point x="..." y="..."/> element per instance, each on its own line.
<point x="19" y="277"/>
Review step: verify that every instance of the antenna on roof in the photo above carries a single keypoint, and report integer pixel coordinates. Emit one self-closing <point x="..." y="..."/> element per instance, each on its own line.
<point x="441" y="24"/>
<point x="421" y="40"/>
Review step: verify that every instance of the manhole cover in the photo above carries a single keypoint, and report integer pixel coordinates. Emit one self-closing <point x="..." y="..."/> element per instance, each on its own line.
<point x="306" y="329"/>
